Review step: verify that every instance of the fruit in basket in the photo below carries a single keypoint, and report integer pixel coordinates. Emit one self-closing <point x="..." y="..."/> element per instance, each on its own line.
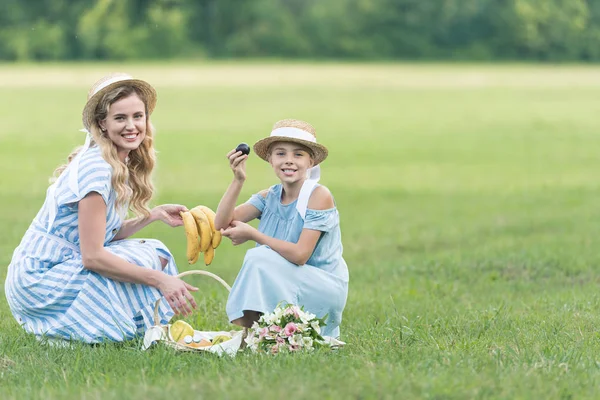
<point x="220" y="339"/>
<point x="201" y="343"/>
<point x="191" y="233"/>
<point x="179" y="330"/>
<point x="202" y="237"/>
<point x="197" y="337"/>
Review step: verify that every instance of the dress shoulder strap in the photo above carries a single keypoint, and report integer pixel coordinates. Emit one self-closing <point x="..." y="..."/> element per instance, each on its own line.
<point x="307" y="188"/>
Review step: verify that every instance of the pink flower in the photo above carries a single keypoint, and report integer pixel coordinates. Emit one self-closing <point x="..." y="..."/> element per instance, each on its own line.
<point x="275" y="328"/>
<point x="293" y="347"/>
<point x="294" y="310"/>
<point x="263" y="332"/>
<point x="279" y="340"/>
<point x="274" y="349"/>
<point x="290" y="329"/>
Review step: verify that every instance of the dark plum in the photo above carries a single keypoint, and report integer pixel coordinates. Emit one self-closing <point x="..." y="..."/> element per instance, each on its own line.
<point x="244" y="148"/>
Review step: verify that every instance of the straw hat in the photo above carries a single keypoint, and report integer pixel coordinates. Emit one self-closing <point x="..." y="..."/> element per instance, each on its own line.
<point x="110" y="82"/>
<point x="295" y="131"/>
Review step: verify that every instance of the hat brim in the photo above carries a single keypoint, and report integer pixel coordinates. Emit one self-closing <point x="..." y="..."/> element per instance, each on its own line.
<point x="261" y="148"/>
<point x="143" y="87"/>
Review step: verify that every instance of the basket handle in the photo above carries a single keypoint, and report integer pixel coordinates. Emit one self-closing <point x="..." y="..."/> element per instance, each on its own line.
<point x="181" y="275"/>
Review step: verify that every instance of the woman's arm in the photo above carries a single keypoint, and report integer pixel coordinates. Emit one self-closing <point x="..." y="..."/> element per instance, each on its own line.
<point x="132" y="226"/>
<point x="92" y="228"/>
<point x="167" y="213"/>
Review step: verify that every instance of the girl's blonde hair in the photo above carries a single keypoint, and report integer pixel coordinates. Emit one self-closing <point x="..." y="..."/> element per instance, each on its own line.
<point x="132" y="181"/>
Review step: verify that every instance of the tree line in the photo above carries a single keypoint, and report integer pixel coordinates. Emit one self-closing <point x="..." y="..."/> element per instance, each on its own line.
<point x="543" y="30"/>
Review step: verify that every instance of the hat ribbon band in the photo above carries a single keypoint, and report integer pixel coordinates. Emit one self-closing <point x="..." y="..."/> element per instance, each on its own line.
<point x="294" y="133"/>
<point x="110" y="82"/>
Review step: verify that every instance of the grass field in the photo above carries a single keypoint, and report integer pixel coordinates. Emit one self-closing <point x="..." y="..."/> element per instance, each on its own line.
<point x="469" y="199"/>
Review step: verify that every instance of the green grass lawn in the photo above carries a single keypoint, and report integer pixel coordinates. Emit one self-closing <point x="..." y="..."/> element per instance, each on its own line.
<point x="469" y="199"/>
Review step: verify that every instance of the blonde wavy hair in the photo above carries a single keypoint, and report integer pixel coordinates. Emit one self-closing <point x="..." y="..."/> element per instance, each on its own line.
<point x="132" y="181"/>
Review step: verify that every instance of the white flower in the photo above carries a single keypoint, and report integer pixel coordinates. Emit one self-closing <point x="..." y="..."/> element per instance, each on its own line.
<point x="308" y="343"/>
<point x="306" y="317"/>
<point x="278" y="313"/>
<point x="316" y="327"/>
<point x="295" y="340"/>
<point x="255" y="326"/>
<point x="302" y="327"/>
<point x="252" y="342"/>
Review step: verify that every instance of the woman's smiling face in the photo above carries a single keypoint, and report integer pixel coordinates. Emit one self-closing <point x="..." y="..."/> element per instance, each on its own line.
<point x="125" y="124"/>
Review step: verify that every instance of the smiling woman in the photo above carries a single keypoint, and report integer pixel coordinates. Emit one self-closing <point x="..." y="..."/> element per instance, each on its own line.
<point x="74" y="275"/>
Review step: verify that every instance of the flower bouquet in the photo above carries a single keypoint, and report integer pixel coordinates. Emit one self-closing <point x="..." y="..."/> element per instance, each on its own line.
<point x="287" y="329"/>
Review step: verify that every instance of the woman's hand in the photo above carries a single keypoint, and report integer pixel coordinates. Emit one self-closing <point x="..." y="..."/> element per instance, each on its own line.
<point x="239" y="232"/>
<point x="177" y="293"/>
<point x="237" y="163"/>
<point x="168" y="213"/>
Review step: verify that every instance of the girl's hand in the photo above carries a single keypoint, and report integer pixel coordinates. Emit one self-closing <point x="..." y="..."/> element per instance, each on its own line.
<point x="168" y="213"/>
<point x="177" y="293"/>
<point x="239" y="232"/>
<point x="237" y="163"/>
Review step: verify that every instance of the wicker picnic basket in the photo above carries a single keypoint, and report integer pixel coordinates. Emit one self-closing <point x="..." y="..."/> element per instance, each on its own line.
<point x="160" y="333"/>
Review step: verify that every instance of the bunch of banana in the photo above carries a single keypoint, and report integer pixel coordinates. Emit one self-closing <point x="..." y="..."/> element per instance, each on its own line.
<point x="202" y="237"/>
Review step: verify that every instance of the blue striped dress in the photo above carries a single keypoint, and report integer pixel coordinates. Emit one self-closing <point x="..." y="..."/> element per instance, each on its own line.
<point x="49" y="291"/>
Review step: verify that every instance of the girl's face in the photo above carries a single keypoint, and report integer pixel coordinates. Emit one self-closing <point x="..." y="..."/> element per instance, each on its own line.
<point x="290" y="161"/>
<point x="125" y="124"/>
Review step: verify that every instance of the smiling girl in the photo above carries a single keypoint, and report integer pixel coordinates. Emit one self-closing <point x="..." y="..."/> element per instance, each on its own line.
<point x="298" y="256"/>
<point x="74" y="276"/>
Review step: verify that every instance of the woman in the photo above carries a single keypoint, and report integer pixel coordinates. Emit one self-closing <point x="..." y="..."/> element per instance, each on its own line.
<point x="74" y="276"/>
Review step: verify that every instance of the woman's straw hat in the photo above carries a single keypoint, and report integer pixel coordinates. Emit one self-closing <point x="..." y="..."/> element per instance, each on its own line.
<point x="295" y="131"/>
<point x="110" y="82"/>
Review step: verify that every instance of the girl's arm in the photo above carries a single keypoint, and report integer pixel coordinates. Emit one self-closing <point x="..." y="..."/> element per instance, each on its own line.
<point x="168" y="213"/>
<point x="297" y="253"/>
<point x="226" y="210"/>
<point x="244" y="213"/>
<point x="92" y="228"/>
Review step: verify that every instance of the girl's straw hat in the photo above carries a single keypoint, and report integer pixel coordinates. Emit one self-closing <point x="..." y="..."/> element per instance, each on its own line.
<point x="110" y="82"/>
<point x="296" y="131"/>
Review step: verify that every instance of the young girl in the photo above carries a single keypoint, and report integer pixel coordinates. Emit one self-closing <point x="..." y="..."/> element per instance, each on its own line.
<point x="298" y="257"/>
<point x="74" y="276"/>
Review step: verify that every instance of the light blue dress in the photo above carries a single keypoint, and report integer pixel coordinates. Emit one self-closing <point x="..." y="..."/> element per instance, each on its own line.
<point x="266" y="278"/>
<point x="49" y="291"/>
